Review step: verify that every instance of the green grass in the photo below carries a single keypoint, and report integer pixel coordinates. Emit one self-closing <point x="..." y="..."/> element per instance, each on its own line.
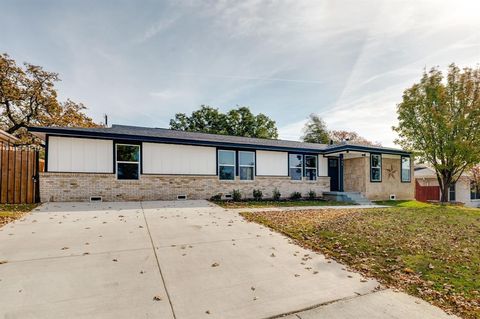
<point x="11" y="212"/>
<point x="281" y="203"/>
<point x="431" y="251"/>
<point x="403" y="203"/>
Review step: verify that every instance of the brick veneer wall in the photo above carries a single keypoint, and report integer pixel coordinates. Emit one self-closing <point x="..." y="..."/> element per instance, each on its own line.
<point x="80" y="186"/>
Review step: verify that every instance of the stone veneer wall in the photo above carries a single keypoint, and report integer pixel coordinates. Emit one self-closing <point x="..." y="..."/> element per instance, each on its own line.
<point x="354" y="174"/>
<point x="357" y="179"/>
<point x="391" y="183"/>
<point x="80" y="186"/>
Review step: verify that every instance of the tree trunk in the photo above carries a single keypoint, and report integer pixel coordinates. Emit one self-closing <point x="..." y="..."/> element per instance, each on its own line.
<point x="444" y="188"/>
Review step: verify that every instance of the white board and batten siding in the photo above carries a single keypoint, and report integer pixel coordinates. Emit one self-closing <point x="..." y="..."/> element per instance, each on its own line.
<point x="179" y="159"/>
<point x="85" y="155"/>
<point x="271" y="163"/>
<point x="80" y="155"/>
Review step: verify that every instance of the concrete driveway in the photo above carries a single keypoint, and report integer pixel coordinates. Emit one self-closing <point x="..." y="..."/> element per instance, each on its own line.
<point x="114" y="260"/>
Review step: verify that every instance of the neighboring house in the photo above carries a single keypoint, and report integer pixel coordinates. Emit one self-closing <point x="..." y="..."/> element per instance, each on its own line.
<point x="137" y="163"/>
<point x="464" y="191"/>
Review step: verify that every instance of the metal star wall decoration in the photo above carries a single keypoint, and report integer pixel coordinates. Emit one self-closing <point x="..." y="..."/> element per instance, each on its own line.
<point x="391" y="172"/>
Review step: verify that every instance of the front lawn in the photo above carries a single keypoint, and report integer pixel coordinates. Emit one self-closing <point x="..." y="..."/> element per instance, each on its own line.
<point x="403" y="203"/>
<point x="432" y="252"/>
<point x="279" y="203"/>
<point x="11" y="212"/>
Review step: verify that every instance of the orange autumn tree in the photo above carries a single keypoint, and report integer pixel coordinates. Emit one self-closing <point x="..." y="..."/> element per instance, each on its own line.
<point x="28" y="97"/>
<point x="352" y="137"/>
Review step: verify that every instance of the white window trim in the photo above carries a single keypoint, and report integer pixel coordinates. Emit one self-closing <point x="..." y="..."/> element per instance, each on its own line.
<point x="234" y="165"/>
<point x="309" y="167"/>
<point x="290" y="167"/>
<point x="127" y="162"/>
<point x="240" y="166"/>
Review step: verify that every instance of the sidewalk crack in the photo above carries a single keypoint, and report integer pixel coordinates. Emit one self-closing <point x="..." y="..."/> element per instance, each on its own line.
<point x="158" y="262"/>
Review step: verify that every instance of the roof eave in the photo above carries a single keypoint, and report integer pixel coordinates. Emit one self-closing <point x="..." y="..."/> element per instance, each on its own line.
<point x="143" y="138"/>
<point x="366" y="149"/>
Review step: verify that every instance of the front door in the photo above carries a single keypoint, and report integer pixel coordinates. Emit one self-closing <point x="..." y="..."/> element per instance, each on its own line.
<point x="333" y="173"/>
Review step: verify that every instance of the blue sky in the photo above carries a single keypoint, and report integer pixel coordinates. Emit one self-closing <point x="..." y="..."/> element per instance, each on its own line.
<point x="142" y="61"/>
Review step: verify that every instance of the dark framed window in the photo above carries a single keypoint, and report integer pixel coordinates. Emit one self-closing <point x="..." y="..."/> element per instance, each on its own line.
<point x="127" y="158"/>
<point x="226" y="165"/>
<point x="375" y="167"/>
<point x="406" y="169"/>
<point x="295" y="166"/>
<point x="452" y="195"/>
<point x="246" y="164"/>
<point x="474" y="190"/>
<point x="311" y="167"/>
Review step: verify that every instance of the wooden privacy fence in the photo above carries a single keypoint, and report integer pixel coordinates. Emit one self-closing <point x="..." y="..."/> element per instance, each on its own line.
<point x="19" y="168"/>
<point x="426" y="193"/>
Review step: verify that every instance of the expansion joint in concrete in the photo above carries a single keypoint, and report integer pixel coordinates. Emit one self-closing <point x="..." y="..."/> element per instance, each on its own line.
<point x="158" y="262"/>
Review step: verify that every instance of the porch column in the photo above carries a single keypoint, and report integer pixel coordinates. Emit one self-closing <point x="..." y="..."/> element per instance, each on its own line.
<point x="340" y="173"/>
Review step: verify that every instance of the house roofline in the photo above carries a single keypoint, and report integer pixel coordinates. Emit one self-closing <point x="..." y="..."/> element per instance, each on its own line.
<point x="142" y="138"/>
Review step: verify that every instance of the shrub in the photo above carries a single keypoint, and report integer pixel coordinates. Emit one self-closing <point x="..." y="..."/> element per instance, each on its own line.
<point x="276" y="194"/>
<point x="216" y="197"/>
<point x="257" y="194"/>
<point x="312" y="194"/>
<point x="236" y="195"/>
<point x="296" y="195"/>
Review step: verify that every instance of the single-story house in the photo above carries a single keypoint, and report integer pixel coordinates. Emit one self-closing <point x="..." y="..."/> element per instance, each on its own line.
<point x="137" y="163"/>
<point x="465" y="190"/>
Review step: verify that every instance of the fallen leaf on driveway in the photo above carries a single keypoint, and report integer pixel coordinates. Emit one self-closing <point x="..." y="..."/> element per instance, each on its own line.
<point x="157" y="298"/>
<point x="64" y="248"/>
<point x="215" y="264"/>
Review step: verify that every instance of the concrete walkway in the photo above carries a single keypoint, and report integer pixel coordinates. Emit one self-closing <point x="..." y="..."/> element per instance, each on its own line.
<point x="179" y="260"/>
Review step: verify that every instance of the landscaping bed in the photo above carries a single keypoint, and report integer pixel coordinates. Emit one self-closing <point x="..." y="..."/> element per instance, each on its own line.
<point x="276" y="203"/>
<point x="11" y="212"/>
<point x="432" y="252"/>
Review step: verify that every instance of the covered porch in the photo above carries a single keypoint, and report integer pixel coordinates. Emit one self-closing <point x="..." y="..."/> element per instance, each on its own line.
<point x="361" y="173"/>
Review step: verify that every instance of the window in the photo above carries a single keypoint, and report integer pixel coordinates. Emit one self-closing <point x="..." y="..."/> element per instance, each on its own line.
<point x="226" y="165"/>
<point x="246" y="163"/>
<point x="295" y="166"/>
<point x="451" y="193"/>
<point x="375" y="167"/>
<point x="474" y="190"/>
<point x="311" y="167"/>
<point x="406" y="167"/>
<point x="128" y="161"/>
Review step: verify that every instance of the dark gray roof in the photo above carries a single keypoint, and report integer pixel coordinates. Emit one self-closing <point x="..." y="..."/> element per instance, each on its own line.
<point x="173" y="136"/>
